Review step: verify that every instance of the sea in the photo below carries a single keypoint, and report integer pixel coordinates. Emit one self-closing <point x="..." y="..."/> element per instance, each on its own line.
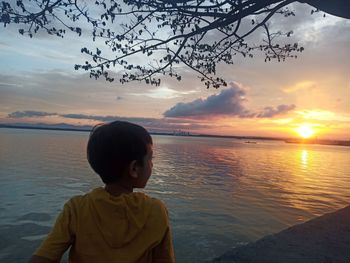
<point x="220" y="192"/>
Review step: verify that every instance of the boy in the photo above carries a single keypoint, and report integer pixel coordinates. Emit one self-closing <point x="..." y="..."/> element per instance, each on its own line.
<point x="113" y="224"/>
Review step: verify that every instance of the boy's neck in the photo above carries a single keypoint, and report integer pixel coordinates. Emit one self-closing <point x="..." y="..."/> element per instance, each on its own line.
<point x="119" y="188"/>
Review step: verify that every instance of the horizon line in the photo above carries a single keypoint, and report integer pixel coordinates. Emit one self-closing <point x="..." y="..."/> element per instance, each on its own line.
<point x="88" y="128"/>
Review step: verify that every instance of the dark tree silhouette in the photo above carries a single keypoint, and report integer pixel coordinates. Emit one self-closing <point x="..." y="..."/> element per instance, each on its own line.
<point x="160" y="34"/>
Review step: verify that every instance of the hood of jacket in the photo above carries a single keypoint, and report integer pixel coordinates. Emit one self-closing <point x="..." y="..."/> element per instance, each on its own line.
<point x="119" y="219"/>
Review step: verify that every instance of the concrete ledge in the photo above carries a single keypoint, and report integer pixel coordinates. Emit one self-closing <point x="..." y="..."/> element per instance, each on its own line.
<point x="325" y="239"/>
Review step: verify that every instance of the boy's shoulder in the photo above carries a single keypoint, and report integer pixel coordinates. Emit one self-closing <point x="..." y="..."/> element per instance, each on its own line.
<point x="155" y="201"/>
<point x="134" y="199"/>
<point x="156" y="204"/>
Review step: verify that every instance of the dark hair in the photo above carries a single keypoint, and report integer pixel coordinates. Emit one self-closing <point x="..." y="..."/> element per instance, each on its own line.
<point x="112" y="146"/>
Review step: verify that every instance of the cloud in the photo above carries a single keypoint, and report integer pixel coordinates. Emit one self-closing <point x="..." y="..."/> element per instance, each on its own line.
<point x="152" y="124"/>
<point x="30" y="113"/>
<point x="163" y="93"/>
<point x="4" y="84"/>
<point x="227" y="102"/>
<point x="322" y="115"/>
<point x="270" y="112"/>
<point x="88" y="117"/>
<point x="303" y="85"/>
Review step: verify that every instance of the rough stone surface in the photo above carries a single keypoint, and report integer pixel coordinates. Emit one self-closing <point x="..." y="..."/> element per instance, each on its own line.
<point x="325" y="239"/>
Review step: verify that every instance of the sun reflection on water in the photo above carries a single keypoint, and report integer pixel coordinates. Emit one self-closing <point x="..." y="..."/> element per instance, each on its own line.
<point x="218" y="191"/>
<point x="304" y="158"/>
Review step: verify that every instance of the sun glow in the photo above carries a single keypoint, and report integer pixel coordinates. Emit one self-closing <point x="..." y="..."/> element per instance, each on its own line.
<point x="305" y="131"/>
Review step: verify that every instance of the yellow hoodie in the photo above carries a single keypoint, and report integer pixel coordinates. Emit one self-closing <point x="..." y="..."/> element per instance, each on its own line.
<point x="99" y="227"/>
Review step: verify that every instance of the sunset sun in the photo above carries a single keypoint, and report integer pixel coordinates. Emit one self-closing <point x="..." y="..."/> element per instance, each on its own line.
<point x="305" y="131"/>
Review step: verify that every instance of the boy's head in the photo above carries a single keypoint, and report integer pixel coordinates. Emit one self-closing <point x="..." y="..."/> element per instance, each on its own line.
<point x="115" y="149"/>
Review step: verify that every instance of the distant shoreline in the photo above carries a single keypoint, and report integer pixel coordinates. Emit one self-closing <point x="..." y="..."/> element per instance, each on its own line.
<point x="318" y="141"/>
<point x="153" y="133"/>
<point x="42" y="128"/>
<point x="248" y="138"/>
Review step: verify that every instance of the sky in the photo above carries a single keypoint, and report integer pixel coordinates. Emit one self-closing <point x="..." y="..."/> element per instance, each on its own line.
<point x="38" y="84"/>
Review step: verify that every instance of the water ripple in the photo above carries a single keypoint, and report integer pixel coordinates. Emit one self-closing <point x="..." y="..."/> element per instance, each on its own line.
<point x="219" y="192"/>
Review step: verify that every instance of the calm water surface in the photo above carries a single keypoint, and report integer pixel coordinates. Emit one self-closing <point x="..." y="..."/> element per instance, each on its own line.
<point x="220" y="192"/>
